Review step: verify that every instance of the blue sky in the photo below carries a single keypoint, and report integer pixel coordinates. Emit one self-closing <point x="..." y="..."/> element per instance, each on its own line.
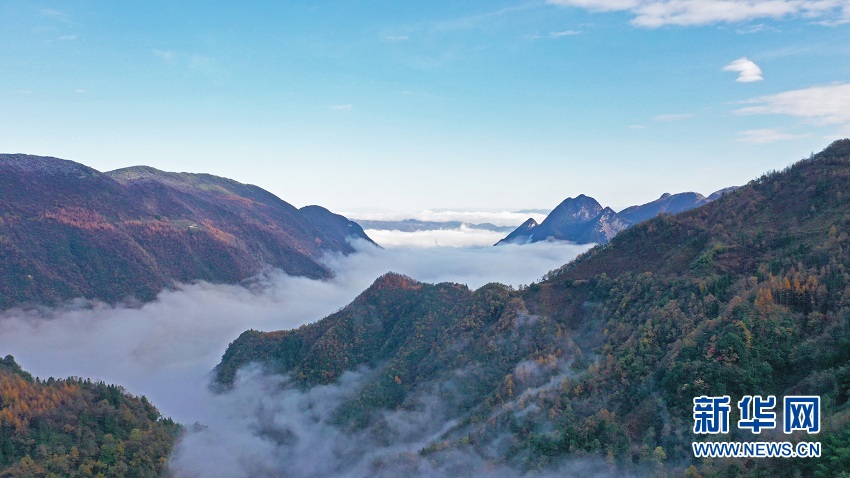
<point x="442" y="104"/>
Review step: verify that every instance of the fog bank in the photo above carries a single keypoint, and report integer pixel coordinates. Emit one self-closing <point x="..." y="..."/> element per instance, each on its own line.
<point x="164" y="349"/>
<point x="498" y="218"/>
<point x="464" y="236"/>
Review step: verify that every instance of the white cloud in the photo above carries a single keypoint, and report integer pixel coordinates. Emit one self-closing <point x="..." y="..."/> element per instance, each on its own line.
<point x="164" y="54"/>
<point x="347" y="107"/>
<point x="396" y="38"/>
<point x="565" y="33"/>
<point x="268" y="426"/>
<point x="825" y="105"/>
<point x="497" y="218"/>
<point x="67" y="37"/>
<point x="636" y="126"/>
<point x="480" y="20"/>
<point x="165" y="348"/>
<point x="750" y="29"/>
<point x="50" y="12"/>
<point x="764" y="136"/>
<point x="475" y="266"/>
<point x="203" y="64"/>
<point x="656" y="13"/>
<point x="672" y="117"/>
<point x="746" y="69"/>
<point x="464" y="236"/>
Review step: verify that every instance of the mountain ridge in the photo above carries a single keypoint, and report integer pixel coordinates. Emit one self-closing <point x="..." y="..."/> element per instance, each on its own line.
<point x="68" y="230"/>
<point x="583" y="220"/>
<point x="76" y="427"/>
<point x="602" y="358"/>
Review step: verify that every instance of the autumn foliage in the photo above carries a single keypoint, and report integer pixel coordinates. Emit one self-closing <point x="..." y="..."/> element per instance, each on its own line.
<point x="601" y="360"/>
<point x="77" y="428"/>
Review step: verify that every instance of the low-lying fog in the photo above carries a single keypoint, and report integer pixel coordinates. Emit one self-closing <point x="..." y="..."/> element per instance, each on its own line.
<point x="166" y="348"/>
<point x="463" y="236"/>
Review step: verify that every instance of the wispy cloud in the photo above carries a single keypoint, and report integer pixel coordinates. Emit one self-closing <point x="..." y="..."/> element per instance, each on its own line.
<point x="672" y="117"/>
<point x="750" y="29"/>
<point x="202" y="63"/>
<point x="67" y="37"/>
<point x="657" y="13"/>
<point x="498" y="218"/>
<point x="81" y="91"/>
<point x="482" y="19"/>
<point x="636" y="126"/>
<point x="764" y="136"/>
<point x="347" y="107"/>
<point x="554" y="34"/>
<point x="825" y="105"/>
<point x="463" y="236"/>
<point x="50" y="12"/>
<point x="164" y="54"/>
<point x="396" y="38"/>
<point x="565" y="33"/>
<point x="746" y="69"/>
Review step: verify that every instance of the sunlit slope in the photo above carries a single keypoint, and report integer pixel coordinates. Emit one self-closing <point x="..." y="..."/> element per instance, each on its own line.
<point x="67" y="230"/>
<point x="74" y="427"/>
<point x="747" y="295"/>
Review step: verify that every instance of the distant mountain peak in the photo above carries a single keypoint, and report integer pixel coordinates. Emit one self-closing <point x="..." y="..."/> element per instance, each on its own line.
<point x="521" y="234"/>
<point x="580" y="206"/>
<point x="707" y="291"/>
<point x="583" y="220"/>
<point x="529" y="223"/>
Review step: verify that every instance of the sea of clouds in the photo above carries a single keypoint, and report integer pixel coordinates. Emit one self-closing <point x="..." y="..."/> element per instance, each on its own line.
<point x="468" y="234"/>
<point x="166" y="349"/>
<point x="497" y="218"/>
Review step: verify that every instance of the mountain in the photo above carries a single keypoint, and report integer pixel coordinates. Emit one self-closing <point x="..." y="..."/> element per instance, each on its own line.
<point x="74" y="427"/>
<point x="521" y="234"/>
<point x="719" y="194"/>
<point x="334" y="224"/>
<point x="67" y="231"/>
<point x="597" y="365"/>
<point x="583" y="220"/>
<point x="667" y="203"/>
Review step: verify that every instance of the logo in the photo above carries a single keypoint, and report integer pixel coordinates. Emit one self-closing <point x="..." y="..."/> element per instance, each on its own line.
<point x="755" y="414"/>
<point x="799" y="413"/>
<point x="711" y="414"/>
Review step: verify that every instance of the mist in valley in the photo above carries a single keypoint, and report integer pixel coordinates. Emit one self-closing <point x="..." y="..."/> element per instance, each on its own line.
<point x="166" y="349"/>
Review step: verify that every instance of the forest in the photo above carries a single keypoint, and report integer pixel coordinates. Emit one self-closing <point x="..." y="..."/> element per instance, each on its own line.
<point x="602" y="358"/>
<point x="78" y="428"/>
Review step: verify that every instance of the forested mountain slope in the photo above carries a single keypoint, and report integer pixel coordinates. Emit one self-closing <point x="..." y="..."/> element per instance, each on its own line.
<point x="77" y="428"/>
<point x="747" y="295"/>
<point x="67" y="230"/>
